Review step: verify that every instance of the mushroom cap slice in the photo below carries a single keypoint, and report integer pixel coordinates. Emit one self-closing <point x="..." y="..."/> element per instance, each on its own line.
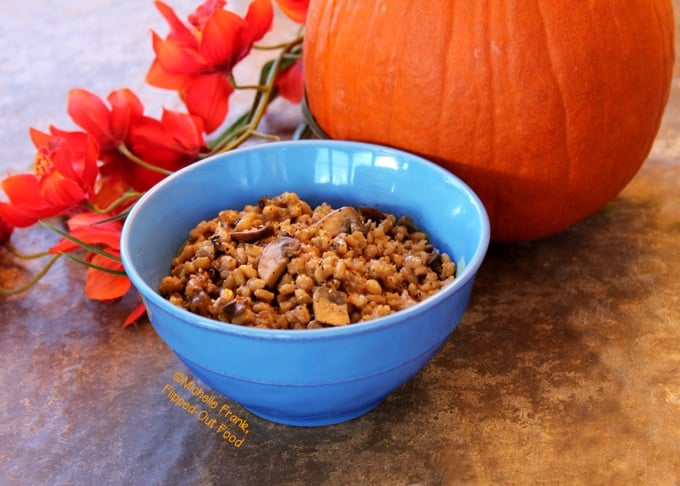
<point x="330" y="306"/>
<point x="275" y="257"/>
<point x="253" y="234"/>
<point x="342" y="220"/>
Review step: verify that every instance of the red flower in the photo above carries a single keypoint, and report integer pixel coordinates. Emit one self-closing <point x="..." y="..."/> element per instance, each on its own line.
<point x="96" y="230"/>
<point x="110" y="128"/>
<point x="198" y="63"/>
<point x="296" y="10"/>
<point x="115" y="179"/>
<point x="92" y="229"/>
<point x="26" y="205"/>
<point x="65" y="171"/>
<point x="169" y="143"/>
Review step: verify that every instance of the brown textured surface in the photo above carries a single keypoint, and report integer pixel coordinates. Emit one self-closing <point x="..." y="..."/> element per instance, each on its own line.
<point x="566" y="368"/>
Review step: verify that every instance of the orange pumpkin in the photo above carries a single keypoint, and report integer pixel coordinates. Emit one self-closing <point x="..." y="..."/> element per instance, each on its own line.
<point x="547" y="109"/>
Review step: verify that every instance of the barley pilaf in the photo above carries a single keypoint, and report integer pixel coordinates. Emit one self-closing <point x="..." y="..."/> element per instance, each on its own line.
<point x="281" y="265"/>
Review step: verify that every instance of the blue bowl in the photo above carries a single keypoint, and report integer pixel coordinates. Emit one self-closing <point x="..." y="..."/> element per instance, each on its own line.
<point x="317" y="376"/>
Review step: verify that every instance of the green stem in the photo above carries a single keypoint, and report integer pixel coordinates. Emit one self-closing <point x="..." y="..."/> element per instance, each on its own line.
<point x="265" y="136"/>
<point x="25" y="256"/>
<point x="82" y="244"/>
<point x="260" y="105"/>
<point x="119" y="273"/>
<point x="235" y="127"/>
<point x="125" y="151"/>
<point x="235" y="85"/>
<point x="117" y="203"/>
<point x="33" y="281"/>
<point x="283" y="45"/>
<point x="254" y="87"/>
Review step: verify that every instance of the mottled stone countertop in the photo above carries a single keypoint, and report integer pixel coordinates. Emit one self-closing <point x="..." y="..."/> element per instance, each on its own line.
<point x="565" y="369"/>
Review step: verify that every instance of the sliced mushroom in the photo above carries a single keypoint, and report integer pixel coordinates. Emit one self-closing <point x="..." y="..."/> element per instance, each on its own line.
<point x="237" y="312"/>
<point x="374" y="214"/>
<point x="433" y="254"/>
<point x="230" y="308"/>
<point x="275" y="257"/>
<point x="253" y="234"/>
<point x="330" y="306"/>
<point x="342" y="220"/>
<point x="434" y="261"/>
<point x="408" y="222"/>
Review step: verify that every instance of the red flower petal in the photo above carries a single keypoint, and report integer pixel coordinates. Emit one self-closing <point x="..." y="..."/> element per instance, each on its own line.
<point x="208" y="98"/>
<point x="176" y="59"/>
<point x="158" y="77"/>
<point x="74" y="155"/>
<point x="19" y="217"/>
<point x="296" y="10"/>
<point x="291" y="83"/>
<point x="61" y="193"/>
<point x="89" y="219"/>
<point x="90" y="113"/>
<point x="136" y="313"/>
<point x="260" y="16"/>
<point x="227" y="38"/>
<point x="187" y="130"/>
<point x="26" y="205"/>
<point x="91" y="229"/>
<point x="179" y="33"/>
<point x="101" y="285"/>
<point x="23" y="190"/>
<point x="39" y="139"/>
<point x="125" y="109"/>
<point x="69" y="154"/>
<point x="154" y="143"/>
<point x="114" y="181"/>
<point x="220" y="43"/>
<point x="90" y="237"/>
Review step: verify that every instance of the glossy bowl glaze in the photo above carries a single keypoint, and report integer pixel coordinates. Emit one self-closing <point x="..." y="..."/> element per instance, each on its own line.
<point x="319" y="376"/>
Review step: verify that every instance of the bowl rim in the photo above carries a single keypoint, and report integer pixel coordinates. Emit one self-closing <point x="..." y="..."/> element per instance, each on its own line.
<point x="468" y="272"/>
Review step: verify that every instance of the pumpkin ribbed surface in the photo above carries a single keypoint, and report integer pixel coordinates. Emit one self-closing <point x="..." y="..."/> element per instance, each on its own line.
<point x="546" y="108"/>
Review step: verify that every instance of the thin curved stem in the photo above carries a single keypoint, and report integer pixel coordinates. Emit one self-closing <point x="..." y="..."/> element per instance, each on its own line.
<point x="117" y="203"/>
<point x="283" y="45"/>
<point x="238" y="137"/>
<point x="235" y="85"/>
<point x="254" y="87"/>
<point x="125" y="151"/>
<point x="265" y="136"/>
<point x="82" y="244"/>
<point x="7" y="292"/>
<point x="119" y="273"/>
<point x="247" y="134"/>
<point x="25" y="256"/>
